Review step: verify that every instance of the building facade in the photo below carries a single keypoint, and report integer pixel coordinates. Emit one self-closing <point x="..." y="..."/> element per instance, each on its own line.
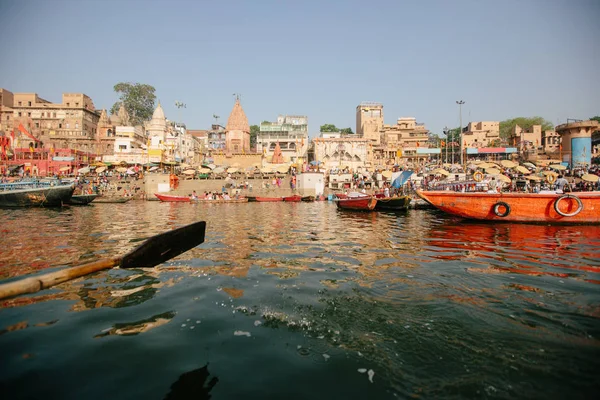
<point x="481" y="134"/>
<point x="338" y="151"/>
<point x="404" y="143"/>
<point x="290" y="132"/>
<point x="369" y="125"/>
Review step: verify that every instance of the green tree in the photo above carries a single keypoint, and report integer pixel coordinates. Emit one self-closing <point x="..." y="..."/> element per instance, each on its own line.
<point x="329" y="128"/>
<point x="507" y="126"/>
<point x="254" y="129"/>
<point x="138" y="99"/>
<point x="347" y="131"/>
<point x="596" y="118"/>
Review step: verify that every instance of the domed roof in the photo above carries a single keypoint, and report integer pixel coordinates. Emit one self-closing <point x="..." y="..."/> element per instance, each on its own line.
<point x="158" y="122"/>
<point x="159" y="114"/>
<point x="237" y="119"/>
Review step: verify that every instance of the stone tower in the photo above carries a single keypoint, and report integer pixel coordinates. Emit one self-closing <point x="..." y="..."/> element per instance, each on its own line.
<point x="237" y="136"/>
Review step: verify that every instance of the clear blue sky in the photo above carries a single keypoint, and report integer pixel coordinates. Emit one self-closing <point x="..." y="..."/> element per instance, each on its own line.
<point x="317" y="58"/>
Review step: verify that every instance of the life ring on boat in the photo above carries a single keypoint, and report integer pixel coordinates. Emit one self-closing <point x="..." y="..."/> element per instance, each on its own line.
<point x="551" y="178"/>
<point x="568" y="196"/>
<point x="478" y="176"/>
<point x="498" y="206"/>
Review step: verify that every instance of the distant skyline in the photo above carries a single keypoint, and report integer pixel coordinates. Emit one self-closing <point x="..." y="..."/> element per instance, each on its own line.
<point x="316" y="58"/>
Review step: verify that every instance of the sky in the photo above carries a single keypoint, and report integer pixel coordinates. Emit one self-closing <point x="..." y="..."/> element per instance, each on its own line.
<point x="504" y="59"/>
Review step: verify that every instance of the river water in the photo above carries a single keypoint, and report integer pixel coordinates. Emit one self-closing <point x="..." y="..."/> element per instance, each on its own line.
<point x="301" y="300"/>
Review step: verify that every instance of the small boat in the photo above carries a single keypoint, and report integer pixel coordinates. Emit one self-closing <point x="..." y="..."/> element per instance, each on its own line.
<point x="392" y="203"/>
<point x="34" y="194"/>
<point x="545" y="207"/>
<point x="308" y="198"/>
<point x="293" y="198"/>
<point x="238" y="200"/>
<point x="170" y="197"/>
<point x="364" y="203"/>
<point x="112" y="199"/>
<point x="268" y="199"/>
<point x="82" y="199"/>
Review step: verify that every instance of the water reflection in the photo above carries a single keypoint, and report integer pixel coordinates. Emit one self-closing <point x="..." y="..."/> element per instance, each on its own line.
<point x="193" y="385"/>
<point x="435" y="307"/>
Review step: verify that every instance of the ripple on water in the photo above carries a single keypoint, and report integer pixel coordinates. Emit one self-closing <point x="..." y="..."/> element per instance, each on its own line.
<point x="434" y="306"/>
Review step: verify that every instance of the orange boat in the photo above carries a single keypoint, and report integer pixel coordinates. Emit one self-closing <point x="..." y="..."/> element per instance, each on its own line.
<point x="550" y="207"/>
<point x="169" y="197"/>
<point x="293" y="198"/>
<point x="364" y="203"/>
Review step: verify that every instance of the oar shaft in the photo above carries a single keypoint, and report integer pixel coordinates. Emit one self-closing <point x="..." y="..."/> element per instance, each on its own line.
<point x="40" y="282"/>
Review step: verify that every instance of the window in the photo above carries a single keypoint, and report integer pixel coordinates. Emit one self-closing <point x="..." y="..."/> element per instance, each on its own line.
<point x="60" y="126"/>
<point x="19" y="113"/>
<point x="76" y="125"/>
<point x="54" y="115"/>
<point x="68" y="104"/>
<point x="20" y="104"/>
<point x="29" y="114"/>
<point x="37" y="124"/>
<point x="68" y="125"/>
<point x="29" y="104"/>
<point x="122" y="147"/>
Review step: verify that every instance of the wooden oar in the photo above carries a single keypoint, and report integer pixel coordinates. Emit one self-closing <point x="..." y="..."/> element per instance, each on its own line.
<point x="153" y="251"/>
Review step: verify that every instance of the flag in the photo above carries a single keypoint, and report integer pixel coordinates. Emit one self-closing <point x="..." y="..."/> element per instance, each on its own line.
<point x="443" y="143"/>
<point x="514" y="141"/>
<point x="24" y="131"/>
<point x="31" y="148"/>
<point x="560" y="147"/>
<point x="418" y="144"/>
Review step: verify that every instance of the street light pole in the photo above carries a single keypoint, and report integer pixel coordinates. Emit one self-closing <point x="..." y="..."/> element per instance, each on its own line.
<point x="460" y="103"/>
<point x="446" y="146"/>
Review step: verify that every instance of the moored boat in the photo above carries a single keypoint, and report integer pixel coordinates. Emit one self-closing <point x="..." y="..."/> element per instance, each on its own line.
<point x="82" y="199"/>
<point x="546" y="207"/>
<point x="268" y="199"/>
<point x="169" y="197"/>
<point x="293" y="198"/>
<point x="364" y="203"/>
<point x="393" y="203"/>
<point x="112" y="199"/>
<point x="32" y="194"/>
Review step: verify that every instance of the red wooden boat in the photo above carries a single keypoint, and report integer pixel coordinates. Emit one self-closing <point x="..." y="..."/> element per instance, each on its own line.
<point x="364" y="203"/>
<point x="293" y="198"/>
<point x="268" y="199"/>
<point x="169" y="197"/>
<point x="546" y="207"/>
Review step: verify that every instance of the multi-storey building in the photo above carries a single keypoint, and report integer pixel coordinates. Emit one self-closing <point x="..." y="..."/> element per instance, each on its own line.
<point x="334" y="150"/>
<point x="369" y="124"/>
<point x="290" y="132"/>
<point x="70" y="124"/>
<point x="403" y="143"/>
<point x="481" y="134"/>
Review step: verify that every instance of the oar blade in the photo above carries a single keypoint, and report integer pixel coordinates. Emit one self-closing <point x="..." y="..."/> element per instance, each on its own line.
<point x="165" y="246"/>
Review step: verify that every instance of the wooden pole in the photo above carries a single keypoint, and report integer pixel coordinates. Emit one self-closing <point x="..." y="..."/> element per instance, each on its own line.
<point x="40" y="282"/>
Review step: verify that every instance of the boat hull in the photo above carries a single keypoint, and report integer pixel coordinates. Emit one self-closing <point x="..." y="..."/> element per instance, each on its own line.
<point x="357" y="203"/>
<point x="295" y="198"/>
<point x="112" y="199"/>
<point x="46" y="196"/>
<point x="393" y="203"/>
<point x="268" y="199"/>
<point x="82" y="199"/>
<point x="168" y="197"/>
<point x="555" y="208"/>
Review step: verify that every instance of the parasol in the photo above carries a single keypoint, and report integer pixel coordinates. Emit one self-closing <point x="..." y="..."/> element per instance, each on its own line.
<point x="121" y="169"/>
<point x="441" y="171"/>
<point x="189" y="171"/>
<point x="83" y="170"/>
<point x="387" y="174"/>
<point x="232" y="170"/>
<point x="558" y="167"/>
<point x="508" y="164"/>
<point x="502" y="178"/>
<point x="64" y="169"/>
<point x="492" y="171"/>
<point x="590" y="178"/>
<point x="523" y="170"/>
<point x="100" y="169"/>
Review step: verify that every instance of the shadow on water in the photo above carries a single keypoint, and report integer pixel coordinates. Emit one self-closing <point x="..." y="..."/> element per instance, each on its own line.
<point x="193" y="385"/>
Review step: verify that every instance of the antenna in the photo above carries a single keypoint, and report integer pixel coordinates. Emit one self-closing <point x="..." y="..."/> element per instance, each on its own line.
<point x="216" y="117"/>
<point x="179" y="104"/>
<point x="238" y="96"/>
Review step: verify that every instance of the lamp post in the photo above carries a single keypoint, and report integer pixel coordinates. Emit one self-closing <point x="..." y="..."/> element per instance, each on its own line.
<point x="460" y="103"/>
<point x="446" y="132"/>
